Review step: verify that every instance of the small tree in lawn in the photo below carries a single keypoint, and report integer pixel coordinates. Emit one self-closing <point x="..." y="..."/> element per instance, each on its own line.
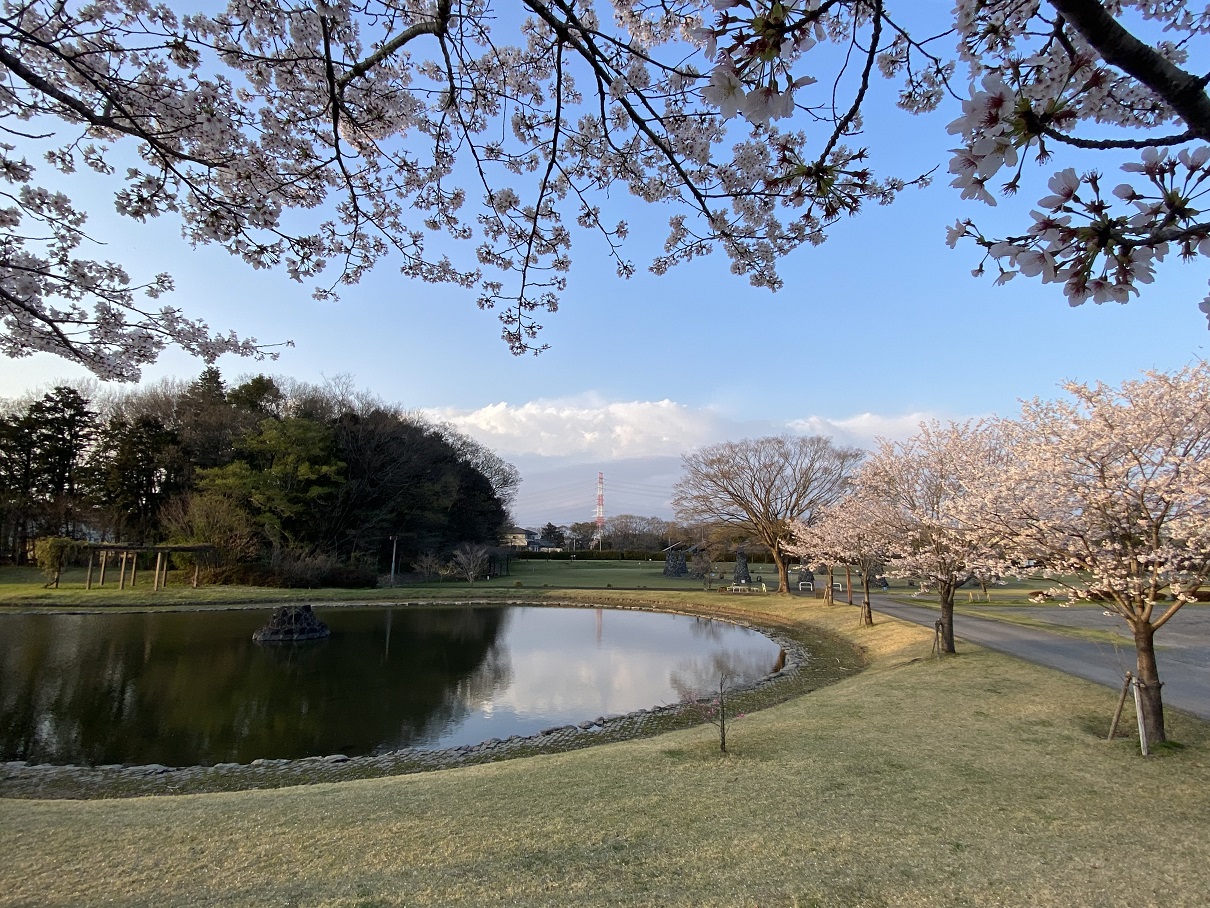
<point x="1110" y="491"/>
<point x="712" y="707"/>
<point x="470" y="560"/>
<point x="915" y="493"/>
<point x="427" y="565"/>
<point x="702" y="565"/>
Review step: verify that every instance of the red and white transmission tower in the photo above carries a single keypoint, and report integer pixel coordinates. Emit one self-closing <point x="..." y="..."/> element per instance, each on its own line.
<point x="600" y="534"/>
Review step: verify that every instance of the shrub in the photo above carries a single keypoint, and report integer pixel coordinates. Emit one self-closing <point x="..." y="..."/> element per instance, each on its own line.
<point x="50" y="552"/>
<point x="293" y="570"/>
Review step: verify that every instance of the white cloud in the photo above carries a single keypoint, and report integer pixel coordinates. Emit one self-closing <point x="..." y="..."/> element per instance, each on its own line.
<point x="862" y="429"/>
<point x="587" y="429"/>
<point x="560" y="444"/>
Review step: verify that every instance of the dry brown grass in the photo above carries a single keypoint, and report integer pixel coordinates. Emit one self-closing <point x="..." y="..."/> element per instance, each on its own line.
<point x="972" y="780"/>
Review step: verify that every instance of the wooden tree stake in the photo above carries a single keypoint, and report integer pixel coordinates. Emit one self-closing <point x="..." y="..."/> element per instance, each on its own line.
<point x="1117" y="713"/>
<point x="1138" y="709"/>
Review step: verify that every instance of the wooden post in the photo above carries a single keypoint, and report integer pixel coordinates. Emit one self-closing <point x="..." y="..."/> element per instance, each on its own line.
<point x="122" y="572"/>
<point x="159" y="562"/>
<point x="1117" y="713"/>
<point x="197" y="565"/>
<point x="134" y="569"/>
<point x="104" y="562"/>
<point x="88" y="580"/>
<point x="1138" y="710"/>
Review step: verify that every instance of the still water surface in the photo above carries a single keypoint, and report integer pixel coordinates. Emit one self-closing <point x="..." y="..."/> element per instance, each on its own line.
<point x="192" y="688"/>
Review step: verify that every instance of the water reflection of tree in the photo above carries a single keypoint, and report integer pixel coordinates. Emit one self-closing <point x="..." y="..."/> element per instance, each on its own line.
<point x="129" y="688"/>
<point x="697" y="677"/>
<point x="457" y="685"/>
<point x="494" y="674"/>
<point x="407" y="694"/>
<point x="710" y="629"/>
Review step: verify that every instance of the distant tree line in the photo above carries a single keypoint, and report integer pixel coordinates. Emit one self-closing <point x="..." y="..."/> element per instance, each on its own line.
<point x="627" y="532"/>
<point x="269" y="472"/>
<point x="631" y="536"/>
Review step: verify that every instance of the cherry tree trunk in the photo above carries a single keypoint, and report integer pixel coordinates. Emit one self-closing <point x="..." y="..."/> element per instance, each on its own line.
<point x="783" y="572"/>
<point x="1148" y="676"/>
<point x="945" y="592"/>
<point x="867" y="614"/>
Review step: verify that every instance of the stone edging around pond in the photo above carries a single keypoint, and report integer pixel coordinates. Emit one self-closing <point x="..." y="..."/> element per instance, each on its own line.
<point x="41" y="781"/>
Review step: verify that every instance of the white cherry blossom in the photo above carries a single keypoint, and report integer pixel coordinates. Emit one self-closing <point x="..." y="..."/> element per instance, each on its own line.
<point x="725" y="91"/>
<point x="329" y="139"/>
<point x="1108" y="490"/>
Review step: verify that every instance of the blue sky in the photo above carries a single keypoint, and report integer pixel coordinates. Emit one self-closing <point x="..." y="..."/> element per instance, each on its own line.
<point x="881" y="326"/>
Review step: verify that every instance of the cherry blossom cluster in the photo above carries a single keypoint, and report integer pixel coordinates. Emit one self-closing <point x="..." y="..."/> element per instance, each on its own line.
<point x="846" y="533"/>
<point x="760" y="42"/>
<point x="1106" y="489"/>
<point x="471" y="143"/>
<point x="325" y="139"/>
<point x="1110" y="486"/>
<point x="1102" y="252"/>
<point x="760" y="54"/>
<point x="1043" y="74"/>
<point x="1105" y="492"/>
<point x="42" y="292"/>
<point x="911" y="497"/>
<point x="1044" y="79"/>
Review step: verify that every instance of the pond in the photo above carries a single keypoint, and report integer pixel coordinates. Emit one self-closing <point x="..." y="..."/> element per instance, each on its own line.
<point x="192" y="688"/>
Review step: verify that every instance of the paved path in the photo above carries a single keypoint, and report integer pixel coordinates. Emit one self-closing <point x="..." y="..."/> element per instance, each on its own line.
<point x="1182" y="646"/>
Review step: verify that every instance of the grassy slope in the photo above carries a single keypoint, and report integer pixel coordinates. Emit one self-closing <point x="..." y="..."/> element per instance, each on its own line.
<point x="974" y="780"/>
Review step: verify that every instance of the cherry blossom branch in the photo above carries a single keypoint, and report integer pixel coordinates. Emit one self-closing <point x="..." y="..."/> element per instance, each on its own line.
<point x="871" y="54"/>
<point x="1183" y="91"/>
<point x="128" y="124"/>
<point x="1108" y="144"/>
<point x="437" y="26"/>
<point x="586" y="49"/>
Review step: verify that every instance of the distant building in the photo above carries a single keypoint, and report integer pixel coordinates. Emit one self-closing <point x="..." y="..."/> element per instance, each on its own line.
<point x="519" y="538"/>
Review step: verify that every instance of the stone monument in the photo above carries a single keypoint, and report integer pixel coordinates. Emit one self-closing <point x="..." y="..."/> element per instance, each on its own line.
<point x="741" y="574"/>
<point x="291" y="623"/>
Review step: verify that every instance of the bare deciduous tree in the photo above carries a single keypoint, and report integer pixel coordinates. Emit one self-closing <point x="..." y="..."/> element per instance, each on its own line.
<point x="427" y="564"/>
<point x="759" y="485"/>
<point x="470" y="560"/>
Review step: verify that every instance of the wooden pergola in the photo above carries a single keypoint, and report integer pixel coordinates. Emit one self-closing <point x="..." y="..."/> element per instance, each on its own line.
<point x="125" y="554"/>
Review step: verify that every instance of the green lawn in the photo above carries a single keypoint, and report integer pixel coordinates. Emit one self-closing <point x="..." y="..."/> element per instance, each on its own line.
<point x="26" y="586"/>
<point x="971" y="780"/>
